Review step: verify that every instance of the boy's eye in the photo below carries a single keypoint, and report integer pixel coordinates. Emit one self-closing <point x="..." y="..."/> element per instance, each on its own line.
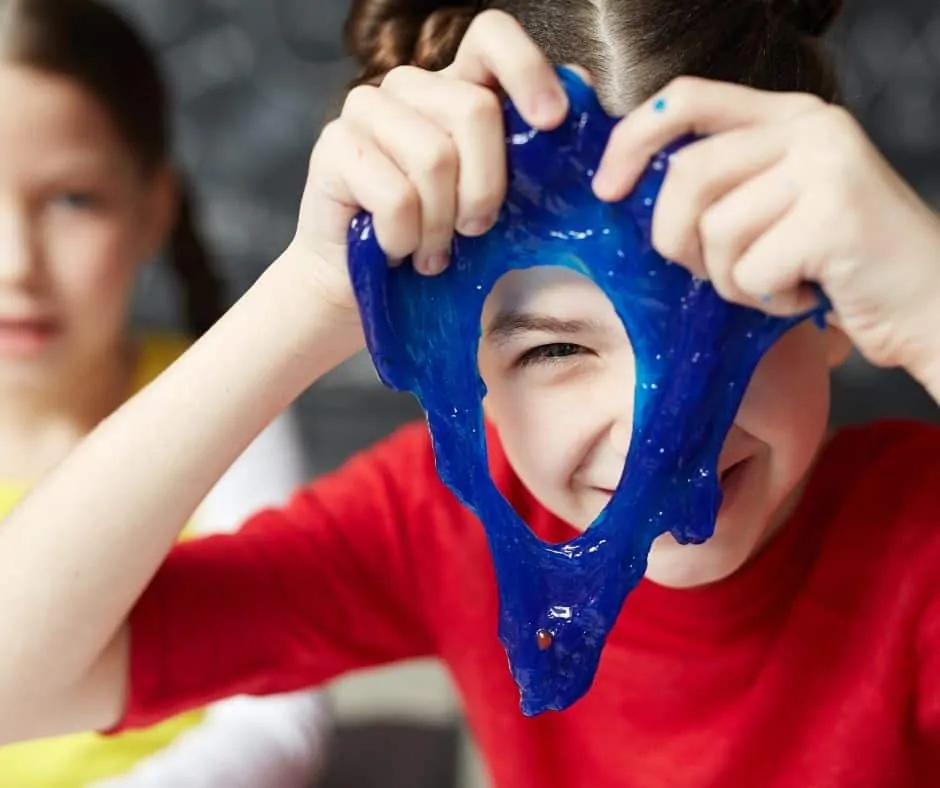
<point x="76" y="200"/>
<point x="551" y="353"/>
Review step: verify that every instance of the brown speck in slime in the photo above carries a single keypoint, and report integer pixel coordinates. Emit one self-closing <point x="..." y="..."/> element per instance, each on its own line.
<point x="544" y="639"/>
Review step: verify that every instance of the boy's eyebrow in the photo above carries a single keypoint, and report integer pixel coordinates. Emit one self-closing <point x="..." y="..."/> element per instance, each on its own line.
<point x="508" y="324"/>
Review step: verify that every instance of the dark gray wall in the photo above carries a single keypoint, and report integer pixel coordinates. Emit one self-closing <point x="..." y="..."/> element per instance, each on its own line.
<point x="252" y="79"/>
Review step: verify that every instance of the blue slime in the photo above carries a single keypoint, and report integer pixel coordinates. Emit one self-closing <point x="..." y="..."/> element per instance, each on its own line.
<point x="695" y="354"/>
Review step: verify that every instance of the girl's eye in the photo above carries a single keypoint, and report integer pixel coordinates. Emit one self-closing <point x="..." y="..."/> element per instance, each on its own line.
<point x="548" y="354"/>
<point x="75" y="200"/>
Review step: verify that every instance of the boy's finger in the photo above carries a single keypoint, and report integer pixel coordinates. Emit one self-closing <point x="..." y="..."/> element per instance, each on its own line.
<point x="688" y="105"/>
<point x="348" y="172"/>
<point x="424" y="152"/>
<point x="777" y="267"/>
<point x="472" y="116"/>
<point x="497" y="53"/>
<point x="700" y="175"/>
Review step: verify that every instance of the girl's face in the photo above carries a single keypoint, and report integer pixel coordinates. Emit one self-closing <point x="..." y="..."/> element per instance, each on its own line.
<point x="560" y="375"/>
<point x="77" y="215"/>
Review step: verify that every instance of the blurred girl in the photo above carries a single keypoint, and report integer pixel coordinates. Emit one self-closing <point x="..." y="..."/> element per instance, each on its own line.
<point x="87" y="194"/>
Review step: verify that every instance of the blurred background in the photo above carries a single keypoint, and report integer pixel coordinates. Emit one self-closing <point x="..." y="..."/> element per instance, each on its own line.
<point x="252" y="81"/>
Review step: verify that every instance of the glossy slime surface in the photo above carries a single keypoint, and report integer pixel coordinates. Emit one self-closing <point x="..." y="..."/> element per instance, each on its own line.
<point x="695" y="354"/>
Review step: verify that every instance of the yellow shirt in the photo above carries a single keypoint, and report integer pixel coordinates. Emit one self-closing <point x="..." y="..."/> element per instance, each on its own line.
<point x="78" y="760"/>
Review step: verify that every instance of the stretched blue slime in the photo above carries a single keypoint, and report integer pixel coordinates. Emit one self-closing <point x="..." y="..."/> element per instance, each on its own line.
<point x="695" y="354"/>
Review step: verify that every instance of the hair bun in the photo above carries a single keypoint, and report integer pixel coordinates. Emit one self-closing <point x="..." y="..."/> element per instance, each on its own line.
<point x="383" y="34"/>
<point x="809" y="17"/>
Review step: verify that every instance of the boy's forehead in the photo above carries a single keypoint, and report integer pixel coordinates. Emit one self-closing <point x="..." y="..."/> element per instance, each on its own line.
<point x="542" y="288"/>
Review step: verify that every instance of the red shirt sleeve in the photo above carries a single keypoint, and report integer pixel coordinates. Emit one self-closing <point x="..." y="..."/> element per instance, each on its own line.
<point x="300" y="594"/>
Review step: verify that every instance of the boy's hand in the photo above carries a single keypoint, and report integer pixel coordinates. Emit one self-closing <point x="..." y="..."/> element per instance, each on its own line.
<point x="789" y="190"/>
<point x="424" y="153"/>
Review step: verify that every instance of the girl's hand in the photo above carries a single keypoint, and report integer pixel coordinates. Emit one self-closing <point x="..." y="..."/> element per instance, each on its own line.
<point x="424" y="153"/>
<point x="789" y="190"/>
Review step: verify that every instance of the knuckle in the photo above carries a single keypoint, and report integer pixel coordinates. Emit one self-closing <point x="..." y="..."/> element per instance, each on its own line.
<point x="716" y="229"/>
<point x="721" y="238"/>
<point x="358" y="100"/>
<point x="841" y="118"/>
<point x="488" y="19"/>
<point x="498" y="37"/>
<point x="482" y="107"/>
<point x="330" y="132"/>
<point x="833" y="137"/>
<point x="404" y="204"/>
<point x="436" y="159"/>
<point x="714" y="226"/>
<point x="334" y="134"/>
<point x="806" y="103"/>
<point x="690" y="180"/>
<point x="398" y="77"/>
<point x="682" y="91"/>
<point x="721" y="279"/>
<point x="841" y="132"/>
<point x="831" y="128"/>
<point x="667" y="239"/>
<point x="683" y="167"/>
<point x="668" y="246"/>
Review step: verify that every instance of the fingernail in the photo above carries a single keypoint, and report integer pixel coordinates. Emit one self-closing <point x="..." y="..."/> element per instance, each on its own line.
<point x="435" y="263"/>
<point x="475" y="227"/>
<point x="602" y="185"/>
<point x="549" y="105"/>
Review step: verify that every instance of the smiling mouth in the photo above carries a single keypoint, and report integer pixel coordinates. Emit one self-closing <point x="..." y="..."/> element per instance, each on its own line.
<point x="725" y="478"/>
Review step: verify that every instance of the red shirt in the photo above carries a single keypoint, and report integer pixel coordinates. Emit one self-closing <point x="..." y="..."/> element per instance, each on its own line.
<point x="817" y="664"/>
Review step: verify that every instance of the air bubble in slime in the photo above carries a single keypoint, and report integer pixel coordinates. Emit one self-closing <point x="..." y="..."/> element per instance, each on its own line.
<point x="695" y="354"/>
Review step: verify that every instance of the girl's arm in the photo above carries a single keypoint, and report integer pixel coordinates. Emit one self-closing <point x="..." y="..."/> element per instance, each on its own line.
<point x="276" y="741"/>
<point x="266" y="474"/>
<point x="67" y="586"/>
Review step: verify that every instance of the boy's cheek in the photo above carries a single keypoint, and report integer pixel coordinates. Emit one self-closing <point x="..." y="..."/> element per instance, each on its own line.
<point x="788" y="396"/>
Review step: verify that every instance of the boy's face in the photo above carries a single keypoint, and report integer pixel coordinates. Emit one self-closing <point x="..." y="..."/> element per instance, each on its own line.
<point x="560" y="372"/>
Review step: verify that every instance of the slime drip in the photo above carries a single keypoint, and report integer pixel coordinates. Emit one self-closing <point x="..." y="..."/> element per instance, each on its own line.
<point x="695" y="354"/>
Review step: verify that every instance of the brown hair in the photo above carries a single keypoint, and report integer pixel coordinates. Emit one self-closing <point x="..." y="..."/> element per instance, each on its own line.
<point x="631" y="47"/>
<point x="92" y="45"/>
